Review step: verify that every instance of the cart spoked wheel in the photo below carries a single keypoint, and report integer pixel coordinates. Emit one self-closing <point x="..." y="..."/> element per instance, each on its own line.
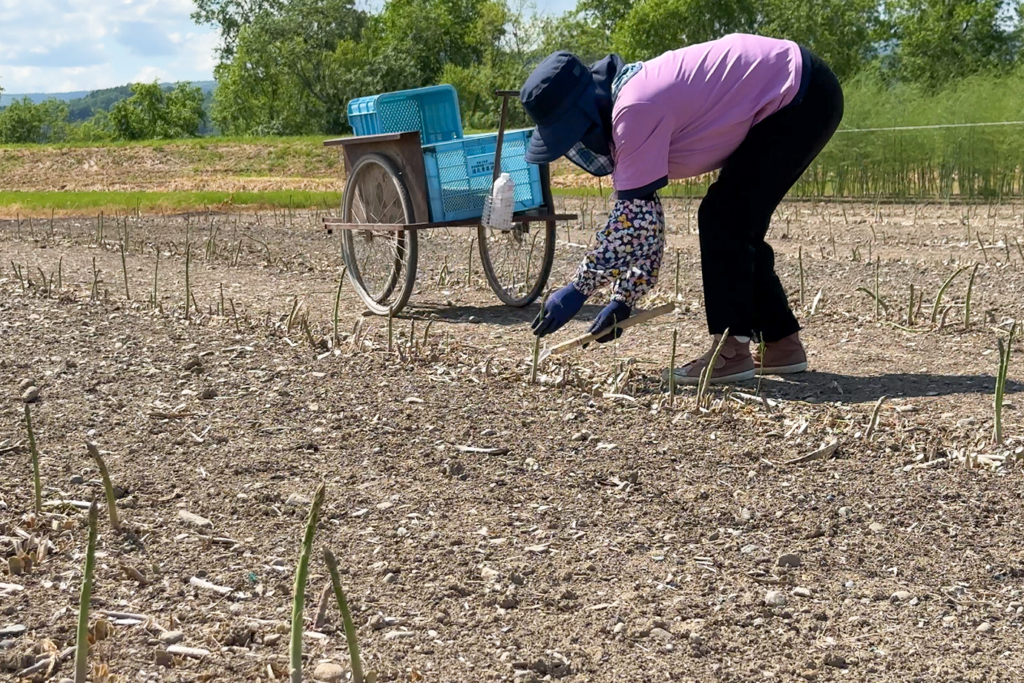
<point x="381" y="263"/>
<point x="517" y="262"/>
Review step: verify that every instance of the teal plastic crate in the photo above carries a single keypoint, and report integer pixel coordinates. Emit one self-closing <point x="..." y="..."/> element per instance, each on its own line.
<point x="460" y="173"/>
<point x="433" y="111"/>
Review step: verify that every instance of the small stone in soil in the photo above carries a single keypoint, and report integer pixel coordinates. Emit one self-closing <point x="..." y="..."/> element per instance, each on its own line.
<point x="790" y="560"/>
<point x="271" y="639"/>
<point x="836" y="661"/>
<point x="329" y="672"/>
<point x="171" y="637"/>
<point x="297" y="500"/>
<point x="801" y="592"/>
<point x="488" y="432"/>
<point x="163" y="658"/>
<point x="193" y="519"/>
<point x="208" y="393"/>
<point x="661" y="634"/>
<point x="489" y="574"/>
<point x="984" y="627"/>
<point x="876" y="527"/>
<point x="390" y="578"/>
<point x="31" y="395"/>
<point x="77" y="479"/>
<point x="396" y="635"/>
<point x="14" y="630"/>
<point x="26" y="383"/>
<point x="775" y="599"/>
<point x="901" y="596"/>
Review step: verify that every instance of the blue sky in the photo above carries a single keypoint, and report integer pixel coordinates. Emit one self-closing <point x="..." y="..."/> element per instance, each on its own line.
<point x="64" y="45"/>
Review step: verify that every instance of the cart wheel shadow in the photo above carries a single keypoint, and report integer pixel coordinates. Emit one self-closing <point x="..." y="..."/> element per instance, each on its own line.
<point x="497" y="314"/>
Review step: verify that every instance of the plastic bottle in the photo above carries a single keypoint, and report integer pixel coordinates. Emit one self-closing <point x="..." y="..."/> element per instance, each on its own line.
<point x="499" y="205"/>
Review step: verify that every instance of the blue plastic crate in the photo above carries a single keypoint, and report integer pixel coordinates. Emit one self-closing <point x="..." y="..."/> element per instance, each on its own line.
<point x="433" y="111"/>
<point x="460" y="173"/>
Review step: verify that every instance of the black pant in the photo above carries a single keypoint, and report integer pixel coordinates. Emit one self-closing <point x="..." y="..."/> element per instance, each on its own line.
<point x="741" y="290"/>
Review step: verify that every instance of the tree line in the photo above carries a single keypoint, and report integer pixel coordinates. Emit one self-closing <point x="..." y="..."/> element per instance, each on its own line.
<point x="289" y="67"/>
<point x="141" y="111"/>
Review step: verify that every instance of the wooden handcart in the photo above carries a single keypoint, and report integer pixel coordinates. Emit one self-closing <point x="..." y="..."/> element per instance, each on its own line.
<point x="385" y="205"/>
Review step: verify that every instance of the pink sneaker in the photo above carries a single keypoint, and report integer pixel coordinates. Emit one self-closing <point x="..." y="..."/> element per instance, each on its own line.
<point x="783" y="357"/>
<point x="734" y="364"/>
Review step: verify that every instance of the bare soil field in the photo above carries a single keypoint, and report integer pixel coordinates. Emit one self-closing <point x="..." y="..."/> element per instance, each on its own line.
<point x="217" y="165"/>
<point x="603" y="533"/>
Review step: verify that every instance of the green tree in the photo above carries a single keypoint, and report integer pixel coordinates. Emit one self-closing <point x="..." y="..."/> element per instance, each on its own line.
<point x="153" y="113"/>
<point x="842" y="32"/>
<point x="23" y="122"/>
<point x="653" y="27"/>
<point x="576" y="32"/>
<point x="295" y="72"/>
<point x="436" y="33"/>
<point x="504" y="65"/>
<point x="937" y="41"/>
<point x="231" y="17"/>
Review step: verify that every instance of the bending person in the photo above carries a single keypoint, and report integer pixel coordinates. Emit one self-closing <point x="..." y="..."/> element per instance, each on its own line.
<point x="757" y="109"/>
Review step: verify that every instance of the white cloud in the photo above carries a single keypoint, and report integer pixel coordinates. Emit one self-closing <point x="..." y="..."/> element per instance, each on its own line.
<point x="60" y="45"/>
<point x="149" y="74"/>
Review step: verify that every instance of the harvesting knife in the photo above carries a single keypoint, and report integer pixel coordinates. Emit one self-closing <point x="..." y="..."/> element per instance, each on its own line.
<point x="641" y="317"/>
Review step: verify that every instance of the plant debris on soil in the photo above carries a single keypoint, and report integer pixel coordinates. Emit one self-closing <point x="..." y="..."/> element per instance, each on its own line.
<point x="587" y="527"/>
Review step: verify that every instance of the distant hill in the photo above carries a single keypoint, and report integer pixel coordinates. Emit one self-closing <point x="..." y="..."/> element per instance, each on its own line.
<point x="107" y="95"/>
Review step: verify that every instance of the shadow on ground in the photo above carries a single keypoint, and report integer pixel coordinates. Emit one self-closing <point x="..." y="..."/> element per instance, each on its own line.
<point x="498" y="314"/>
<point x="822" y="387"/>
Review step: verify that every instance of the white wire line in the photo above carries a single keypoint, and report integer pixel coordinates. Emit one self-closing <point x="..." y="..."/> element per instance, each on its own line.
<point x="931" y="127"/>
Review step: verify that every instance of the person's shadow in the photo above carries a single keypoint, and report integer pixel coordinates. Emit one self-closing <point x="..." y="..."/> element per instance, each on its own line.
<point x="823" y="387"/>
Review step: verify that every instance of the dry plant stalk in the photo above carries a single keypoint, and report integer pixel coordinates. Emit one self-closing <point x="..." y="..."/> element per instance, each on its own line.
<point x="672" y="369"/>
<point x="124" y="269"/>
<point x="188" y="282"/>
<point x="677" y="275"/>
<point x="82" y="637"/>
<point x="942" y="292"/>
<point x="337" y="301"/>
<point x="301" y="572"/>
<point x="346" y="617"/>
<point x="709" y="370"/>
<point x="1004" y="367"/>
<point x="967" y="303"/>
<point x="426" y="334"/>
<point x="873" y="422"/>
<point x="36" y="479"/>
<point x="391" y="329"/>
<point x="878" y="300"/>
<point x="108" y="488"/>
<point x="291" y="316"/>
<point x="910" y="310"/>
<point x="800" y="260"/>
<point x="156" y="276"/>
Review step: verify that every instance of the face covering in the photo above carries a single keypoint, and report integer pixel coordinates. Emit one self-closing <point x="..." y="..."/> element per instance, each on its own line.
<point x="593" y="153"/>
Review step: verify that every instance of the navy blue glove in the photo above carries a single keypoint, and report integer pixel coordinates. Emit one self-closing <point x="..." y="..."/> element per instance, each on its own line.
<point x="559" y="309"/>
<point x="615" y="312"/>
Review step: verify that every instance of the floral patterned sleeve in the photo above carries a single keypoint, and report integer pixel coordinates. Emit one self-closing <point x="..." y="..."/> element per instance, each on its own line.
<point x="628" y="252"/>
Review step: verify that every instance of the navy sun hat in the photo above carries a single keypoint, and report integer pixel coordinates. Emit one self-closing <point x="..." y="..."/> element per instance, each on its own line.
<point x="559" y="97"/>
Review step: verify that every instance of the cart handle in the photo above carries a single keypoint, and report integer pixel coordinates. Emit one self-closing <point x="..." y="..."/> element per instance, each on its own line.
<point x="504" y="95"/>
